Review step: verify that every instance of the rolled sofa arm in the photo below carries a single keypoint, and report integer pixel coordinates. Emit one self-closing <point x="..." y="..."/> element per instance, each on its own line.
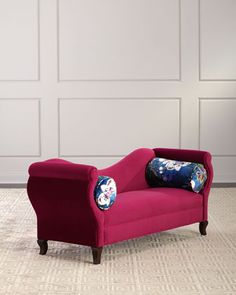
<point x="196" y="156"/>
<point x="62" y="195"/>
<point x="57" y="168"/>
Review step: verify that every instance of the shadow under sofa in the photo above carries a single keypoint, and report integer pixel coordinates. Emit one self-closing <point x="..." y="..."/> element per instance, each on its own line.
<point x="62" y="195"/>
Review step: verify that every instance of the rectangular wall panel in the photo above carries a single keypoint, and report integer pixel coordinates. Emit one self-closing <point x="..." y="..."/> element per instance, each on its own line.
<point x="217" y="39"/>
<point x="224" y="169"/>
<point x="217" y="126"/>
<point x="19" y="127"/>
<point x="19" y="52"/>
<point x="119" y="40"/>
<point x="117" y="126"/>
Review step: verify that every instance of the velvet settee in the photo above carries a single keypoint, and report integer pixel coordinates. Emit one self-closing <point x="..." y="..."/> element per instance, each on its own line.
<point x="62" y="195"/>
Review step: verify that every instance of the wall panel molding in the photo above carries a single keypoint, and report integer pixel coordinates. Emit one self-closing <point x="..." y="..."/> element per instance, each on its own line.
<point x="28" y="155"/>
<point x="200" y="120"/>
<point x="178" y="79"/>
<point x="167" y="99"/>
<point x="200" y="49"/>
<point x="2" y="80"/>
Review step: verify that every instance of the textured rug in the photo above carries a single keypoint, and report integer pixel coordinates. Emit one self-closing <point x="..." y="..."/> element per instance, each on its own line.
<point x="175" y="262"/>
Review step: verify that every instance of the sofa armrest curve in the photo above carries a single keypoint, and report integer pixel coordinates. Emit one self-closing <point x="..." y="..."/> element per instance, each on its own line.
<point x="62" y="195"/>
<point x="197" y="156"/>
<point x="58" y="168"/>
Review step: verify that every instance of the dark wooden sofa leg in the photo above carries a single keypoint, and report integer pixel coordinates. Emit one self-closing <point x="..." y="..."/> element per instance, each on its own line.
<point x="202" y="227"/>
<point x="97" y="252"/>
<point x="43" y="244"/>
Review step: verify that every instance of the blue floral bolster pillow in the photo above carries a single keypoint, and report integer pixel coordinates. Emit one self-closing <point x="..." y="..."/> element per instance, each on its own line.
<point x="105" y="192"/>
<point x="171" y="173"/>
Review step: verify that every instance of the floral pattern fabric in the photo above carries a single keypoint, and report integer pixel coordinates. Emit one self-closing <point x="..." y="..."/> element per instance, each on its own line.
<point x="105" y="192"/>
<point x="171" y="173"/>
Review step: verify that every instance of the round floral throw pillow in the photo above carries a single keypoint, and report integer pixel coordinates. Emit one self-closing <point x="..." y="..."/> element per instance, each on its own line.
<point x="105" y="192"/>
<point x="172" y="173"/>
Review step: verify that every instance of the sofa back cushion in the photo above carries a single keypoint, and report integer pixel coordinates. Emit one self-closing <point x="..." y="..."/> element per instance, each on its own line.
<point x="129" y="173"/>
<point x="178" y="174"/>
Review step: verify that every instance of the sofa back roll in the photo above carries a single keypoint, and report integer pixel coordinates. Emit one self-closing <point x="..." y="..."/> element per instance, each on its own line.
<point x="129" y="173"/>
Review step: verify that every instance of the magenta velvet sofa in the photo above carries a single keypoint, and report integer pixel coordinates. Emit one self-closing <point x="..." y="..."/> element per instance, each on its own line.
<point x="62" y="195"/>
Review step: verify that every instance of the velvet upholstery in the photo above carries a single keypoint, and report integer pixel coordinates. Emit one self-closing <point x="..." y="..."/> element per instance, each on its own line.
<point x="158" y="223"/>
<point x="150" y="202"/>
<point x="62" y="195"/>
<point x="129" y="173"/>
<point x="196" y="156"/>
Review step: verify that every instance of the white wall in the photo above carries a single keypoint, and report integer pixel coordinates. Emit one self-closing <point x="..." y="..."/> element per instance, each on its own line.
<point x="91" y="80"/>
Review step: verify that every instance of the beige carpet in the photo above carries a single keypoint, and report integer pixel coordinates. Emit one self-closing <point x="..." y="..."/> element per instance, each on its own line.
<point x="174" y="262"/>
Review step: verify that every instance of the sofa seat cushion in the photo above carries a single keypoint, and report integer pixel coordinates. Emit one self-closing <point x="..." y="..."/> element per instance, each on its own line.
<point x="141" y="204"/>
